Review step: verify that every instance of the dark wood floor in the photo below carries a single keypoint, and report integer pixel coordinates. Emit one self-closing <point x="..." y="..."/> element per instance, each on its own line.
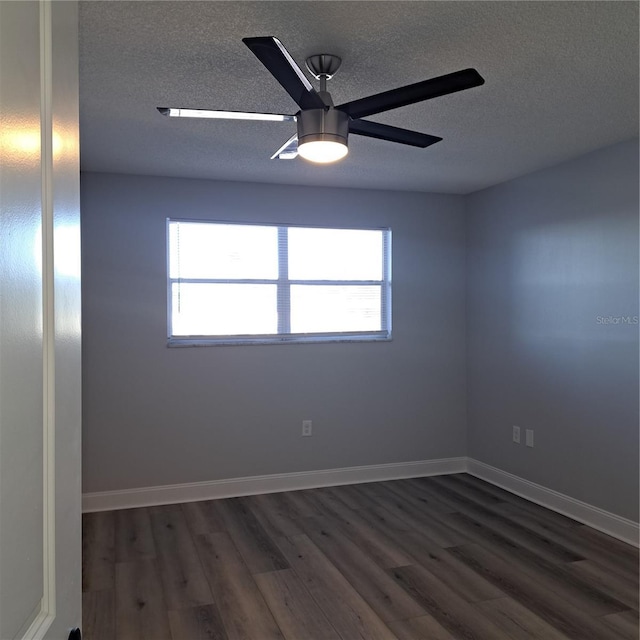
<point x="439" y="558"/>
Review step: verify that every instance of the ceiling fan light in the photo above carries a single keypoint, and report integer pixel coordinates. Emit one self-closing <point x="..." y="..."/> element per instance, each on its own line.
<point x="322" y="134"/>
<point x="323" y="151"/>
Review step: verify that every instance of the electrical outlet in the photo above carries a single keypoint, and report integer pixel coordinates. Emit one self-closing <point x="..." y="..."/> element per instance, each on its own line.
<point x="529" y="437"/>
<point x="516" y="434"/>
<point x="307" y="427"/>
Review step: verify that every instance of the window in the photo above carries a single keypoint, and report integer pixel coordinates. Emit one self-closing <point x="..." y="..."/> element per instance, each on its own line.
<point x="249" y="283"/>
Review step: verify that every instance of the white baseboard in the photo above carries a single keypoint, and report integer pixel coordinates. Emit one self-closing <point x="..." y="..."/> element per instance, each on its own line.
<point x="233" y="487"/>
<point x="609" y="523"/>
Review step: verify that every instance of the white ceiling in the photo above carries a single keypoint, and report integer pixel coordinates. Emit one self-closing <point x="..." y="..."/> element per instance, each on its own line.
<point x="561" y="79"/>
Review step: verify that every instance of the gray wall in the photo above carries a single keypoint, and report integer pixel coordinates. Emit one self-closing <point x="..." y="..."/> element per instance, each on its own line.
<point x="552" y="269"/>
<point x="550" y="264"/>
<point x="154" y="415"/>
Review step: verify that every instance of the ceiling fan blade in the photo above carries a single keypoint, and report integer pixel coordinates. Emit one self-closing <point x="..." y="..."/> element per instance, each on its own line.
<point x="271" y="52"/>
<point x="224" y="115"/>
<point x="392" y="134"/>
<point x="289" y="150"/>
<point x="425" y="90"/>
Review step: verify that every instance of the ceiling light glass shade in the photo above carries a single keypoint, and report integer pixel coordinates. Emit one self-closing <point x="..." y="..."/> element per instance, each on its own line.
<point x="323" y="151"/>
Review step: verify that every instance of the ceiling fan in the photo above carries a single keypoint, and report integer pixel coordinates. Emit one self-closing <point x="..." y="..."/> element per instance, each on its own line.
<point x="322" y="128"/>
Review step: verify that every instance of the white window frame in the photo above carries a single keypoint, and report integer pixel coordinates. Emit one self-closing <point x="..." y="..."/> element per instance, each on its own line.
<point x="283" y="283"/>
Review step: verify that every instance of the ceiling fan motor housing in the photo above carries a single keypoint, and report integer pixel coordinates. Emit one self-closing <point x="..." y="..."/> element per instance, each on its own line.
<point x="322" y="124"/>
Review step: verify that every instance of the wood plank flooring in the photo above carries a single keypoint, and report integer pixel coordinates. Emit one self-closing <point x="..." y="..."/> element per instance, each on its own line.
<point x="442" y="558"/>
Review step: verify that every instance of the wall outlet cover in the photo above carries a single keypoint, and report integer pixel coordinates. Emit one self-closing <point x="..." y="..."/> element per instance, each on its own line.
<point x="529" y="437"/>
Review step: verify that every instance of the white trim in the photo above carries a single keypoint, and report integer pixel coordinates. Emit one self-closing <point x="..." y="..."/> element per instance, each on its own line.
<point x="609" y="523"/>
<point x="194" y="491"/>
<point x="47" y="611"/>
<point x="39" y="626"/>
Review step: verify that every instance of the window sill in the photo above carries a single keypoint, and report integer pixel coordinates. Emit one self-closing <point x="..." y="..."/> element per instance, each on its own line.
<point x="244" y="341"/>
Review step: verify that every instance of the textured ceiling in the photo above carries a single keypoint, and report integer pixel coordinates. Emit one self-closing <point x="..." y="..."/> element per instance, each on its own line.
<point x="561" y="79"/>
